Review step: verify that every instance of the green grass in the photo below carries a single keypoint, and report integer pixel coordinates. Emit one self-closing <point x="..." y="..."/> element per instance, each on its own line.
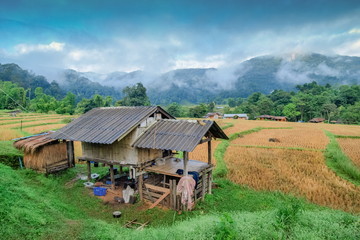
<point x="33" y="206"/>
<point x="228" y="125"/>
<point x="9" y="155"/>
<point x="343" y="136"/>
<point x="339" y="162"/>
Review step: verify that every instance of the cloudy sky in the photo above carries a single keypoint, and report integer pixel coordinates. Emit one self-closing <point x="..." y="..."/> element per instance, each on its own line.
<point x="151" y="35"/>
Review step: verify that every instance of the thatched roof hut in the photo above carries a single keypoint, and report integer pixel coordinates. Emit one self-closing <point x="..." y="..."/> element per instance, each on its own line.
<point x="42" y="153"/>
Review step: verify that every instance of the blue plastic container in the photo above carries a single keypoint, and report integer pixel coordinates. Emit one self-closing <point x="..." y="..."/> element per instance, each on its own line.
<point x="99" y="191"/>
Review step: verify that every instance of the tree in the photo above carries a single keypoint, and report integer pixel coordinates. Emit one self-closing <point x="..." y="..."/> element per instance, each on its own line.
<point x="198" y="111"/>
<point x="211" y="107"/>
<point x="291" y="112"/>
<point x="134" y="96"/>
<point x="67" y="104"/>
<point x="42" y="102"/>
<point x="175" y="110"/>
<point x="351" y="114"/>
<point x="329" y="109"/>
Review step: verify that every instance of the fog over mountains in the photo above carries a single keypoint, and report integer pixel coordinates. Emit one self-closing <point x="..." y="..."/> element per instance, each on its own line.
<point x="260" y="74"/>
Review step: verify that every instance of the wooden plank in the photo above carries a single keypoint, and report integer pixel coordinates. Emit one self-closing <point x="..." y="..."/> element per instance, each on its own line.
<point x="157" y="188"/>
<point x="143" y="225"/>
<point x="159" y="200"/>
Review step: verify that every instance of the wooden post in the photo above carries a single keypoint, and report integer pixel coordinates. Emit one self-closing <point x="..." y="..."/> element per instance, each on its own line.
<point x="209" y="152"/>
<point x="88" y="170"/>
<point x="209" y="181"/>
<point x="70" y="153"/>
<point x="186" y="159"/>
<point x="140" y="186"/>
<point x="112" y="178"/>
<point x="204" y="181"/>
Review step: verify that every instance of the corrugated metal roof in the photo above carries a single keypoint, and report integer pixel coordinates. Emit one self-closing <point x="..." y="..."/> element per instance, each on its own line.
<point x="180" y="135"/>
<point x="106" y="125"/>
<point x="236" y="114"/>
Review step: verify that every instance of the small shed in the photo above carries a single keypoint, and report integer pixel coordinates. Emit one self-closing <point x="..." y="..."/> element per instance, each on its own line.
<point x="280" y="118"/>
<point x="214" y="115"/>
<point x="45" y="154"/>
<point x="242" y="116"/>
<point x="317" y="120"/>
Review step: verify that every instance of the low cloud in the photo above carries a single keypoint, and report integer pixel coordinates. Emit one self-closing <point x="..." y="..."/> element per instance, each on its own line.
<point x="27" y="48"/>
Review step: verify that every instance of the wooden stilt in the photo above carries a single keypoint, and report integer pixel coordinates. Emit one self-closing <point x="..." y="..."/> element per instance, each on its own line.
<point x="209" y="152"/>
<point x="204" y="181"/>
<point x="88" y="170"/>
<point x="186" y="159"/>
<point x="112" y="177"/>
<point x="210" y="181"/>
<point x="140" y="186"/>
<point x="70" y="153"/>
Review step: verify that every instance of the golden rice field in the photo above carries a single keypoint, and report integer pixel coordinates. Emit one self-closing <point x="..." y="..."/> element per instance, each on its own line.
<point x="297" y="137"/>
<point x="280" y="166"/>
<point x="351" y="147"/>
<point x="201" y="152"/>
<point x="43" y="128"/>
<point x="302" y="173"/>
<point x="10" y="130"/>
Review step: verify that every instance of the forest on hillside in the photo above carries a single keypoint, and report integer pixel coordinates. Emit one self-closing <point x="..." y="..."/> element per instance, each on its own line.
<point x="311" y="100"/>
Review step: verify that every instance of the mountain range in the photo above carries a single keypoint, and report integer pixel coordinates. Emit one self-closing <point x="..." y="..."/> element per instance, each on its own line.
<point x="259" y="74"/>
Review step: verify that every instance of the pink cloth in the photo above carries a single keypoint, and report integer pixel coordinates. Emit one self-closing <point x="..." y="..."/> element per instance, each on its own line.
<point x="186" y="186"/>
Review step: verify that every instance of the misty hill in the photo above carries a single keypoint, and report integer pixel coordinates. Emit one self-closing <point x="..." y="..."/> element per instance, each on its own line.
<point x="82" y="87"/>
<point x="13" y="73"/>
<point x="260" y="74"/>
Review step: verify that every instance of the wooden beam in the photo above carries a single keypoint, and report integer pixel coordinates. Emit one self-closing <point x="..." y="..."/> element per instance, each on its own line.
<point x="112" y="177"/>
<point x="186" y="159"/>
<point x="88" y="170"/>
<point x="157" y="188"/>
<point x="209" y="152"/>
<point x="159" y="200"/>
<point x="204" y="140"/>
<point x="70" y="153"/>
<point x="107" y="161"/>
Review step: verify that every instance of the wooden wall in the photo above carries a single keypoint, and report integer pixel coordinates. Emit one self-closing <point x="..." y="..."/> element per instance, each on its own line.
<point x="121" y="150"/>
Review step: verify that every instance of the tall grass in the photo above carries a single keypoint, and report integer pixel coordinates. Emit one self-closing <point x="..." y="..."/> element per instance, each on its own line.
<point x="339" y="162"/>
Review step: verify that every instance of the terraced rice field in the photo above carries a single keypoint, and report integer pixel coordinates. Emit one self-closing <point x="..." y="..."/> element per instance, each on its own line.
<point x="301" y="173"/>
<point x="297" y="137"/>
<point x="32" y="123"/>
<point x="351" y="147"/>
<point x="295" y="164"/>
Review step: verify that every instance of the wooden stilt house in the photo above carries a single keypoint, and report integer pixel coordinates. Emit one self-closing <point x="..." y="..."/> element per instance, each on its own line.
<point x="45" y="154"/>
<point x="145" y="139"/>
